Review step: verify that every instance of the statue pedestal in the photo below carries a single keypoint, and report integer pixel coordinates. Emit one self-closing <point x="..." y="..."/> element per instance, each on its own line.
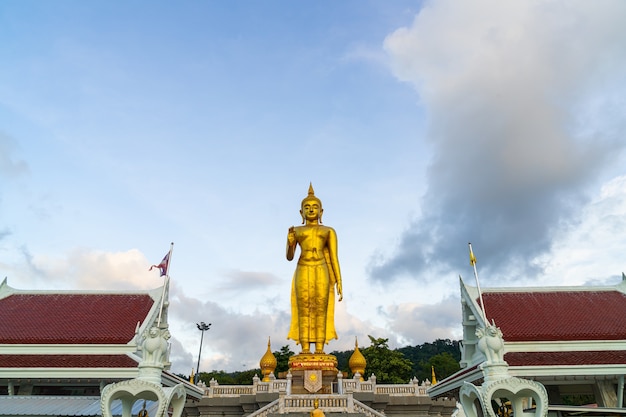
<point x="313" y="373"/>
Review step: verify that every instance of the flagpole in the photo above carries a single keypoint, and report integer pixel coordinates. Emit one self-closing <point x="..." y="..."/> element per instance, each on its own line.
<point x="480" y="293"/>
<point x="166" y="282"/>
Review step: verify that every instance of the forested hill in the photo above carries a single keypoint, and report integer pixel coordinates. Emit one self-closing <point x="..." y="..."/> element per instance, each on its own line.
<point x="397" y="366"/>
<point x="391" y="366"/>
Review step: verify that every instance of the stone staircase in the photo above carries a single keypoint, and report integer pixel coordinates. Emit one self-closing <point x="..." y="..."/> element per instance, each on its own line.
<point x="301" y="405"/>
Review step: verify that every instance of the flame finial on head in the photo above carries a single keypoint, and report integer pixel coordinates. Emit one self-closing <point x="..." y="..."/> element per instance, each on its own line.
<point x="311" y="195"/>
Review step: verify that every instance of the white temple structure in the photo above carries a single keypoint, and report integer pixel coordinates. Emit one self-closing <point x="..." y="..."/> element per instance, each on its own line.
<point x="541" y="351"/>
<point x="87" y="353"/>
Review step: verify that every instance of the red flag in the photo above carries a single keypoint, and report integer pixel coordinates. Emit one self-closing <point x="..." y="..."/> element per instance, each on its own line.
<point x="163" y="265"/>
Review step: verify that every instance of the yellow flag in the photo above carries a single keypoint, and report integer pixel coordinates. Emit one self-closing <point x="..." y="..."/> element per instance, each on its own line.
<point x="472" y="257"/>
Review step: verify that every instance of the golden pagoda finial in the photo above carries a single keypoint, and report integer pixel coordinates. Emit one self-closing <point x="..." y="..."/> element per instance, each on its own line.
<point x="433" y="377"/>
<point x="268" y="363"/>
<point x="357" y="361"/>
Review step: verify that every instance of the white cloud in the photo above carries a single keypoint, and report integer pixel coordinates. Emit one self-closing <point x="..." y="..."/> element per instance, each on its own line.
<point x="414" y="324"/>
<point x="593" y="250"/>
<point x="96" y="269"/>
<point x="234" y="339"/>
<point x="82" y="268"/>
<point x="248" y="280"/>
<point x="505" y="85"/>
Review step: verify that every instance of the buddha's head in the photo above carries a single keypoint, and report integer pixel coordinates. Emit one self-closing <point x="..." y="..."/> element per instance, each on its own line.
<point x="311" y="207"/>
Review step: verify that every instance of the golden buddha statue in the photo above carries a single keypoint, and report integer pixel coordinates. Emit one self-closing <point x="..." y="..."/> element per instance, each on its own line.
<point x="315" y="278"/>
<point x="316" y="412"/>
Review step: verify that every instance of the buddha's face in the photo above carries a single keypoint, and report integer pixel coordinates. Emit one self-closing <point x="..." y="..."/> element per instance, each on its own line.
<point x="311" y="209"/>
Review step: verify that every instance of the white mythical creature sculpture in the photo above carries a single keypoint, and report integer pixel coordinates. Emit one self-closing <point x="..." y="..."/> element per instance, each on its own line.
<point x="147" y="386"/>
<point x="528" y="398"/>
<point x="155" y="346"/>
<point x="491" y="343"/>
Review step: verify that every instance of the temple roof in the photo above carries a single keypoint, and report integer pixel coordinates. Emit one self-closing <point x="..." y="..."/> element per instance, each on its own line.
<point x="553" y="315"/>
<point x="67" y="330"/>
<point x="70" y="318"/>
<point x="548" y="331"/>
<point x="88" y="337"/>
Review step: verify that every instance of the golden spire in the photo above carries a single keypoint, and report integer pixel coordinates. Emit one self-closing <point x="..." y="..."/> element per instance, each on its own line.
<point x="268" y="363"/>
<point x="433" y="377"/>
<point x="357" y="361"/>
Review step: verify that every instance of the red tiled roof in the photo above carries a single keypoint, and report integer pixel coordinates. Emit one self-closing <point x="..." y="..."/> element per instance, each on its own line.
<point x="71" y="318"/>
<point x="608" y="357"/>
<point x="67" y="361"/>
<point x="558" y="315"/>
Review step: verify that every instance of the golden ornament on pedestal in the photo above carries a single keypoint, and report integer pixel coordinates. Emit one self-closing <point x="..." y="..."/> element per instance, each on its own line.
<point x="268" y="363"/>
<point x="321" y="361"/>
<point x="357" y="361"/>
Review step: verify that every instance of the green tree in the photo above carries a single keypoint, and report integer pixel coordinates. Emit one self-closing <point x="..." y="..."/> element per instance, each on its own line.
<point x="221" y="377"/>
<point x="389" y="366"/>
<point x="342" y="359"/>
<point x="245" y="377"/>
<point x="282" y="359"/>
<point x="444" y="364"/>
<point x="183" y="376"/>
<point x="230" y="378"/>
<point x="420" y="355"/>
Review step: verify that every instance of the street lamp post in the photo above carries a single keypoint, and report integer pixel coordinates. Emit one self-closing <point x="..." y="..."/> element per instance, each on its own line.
<point x="202" y="326"/>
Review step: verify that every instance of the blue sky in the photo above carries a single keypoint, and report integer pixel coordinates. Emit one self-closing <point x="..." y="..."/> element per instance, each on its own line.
<point x="125" y="126"/>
